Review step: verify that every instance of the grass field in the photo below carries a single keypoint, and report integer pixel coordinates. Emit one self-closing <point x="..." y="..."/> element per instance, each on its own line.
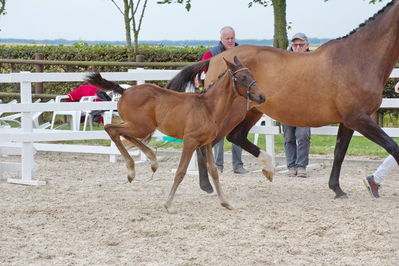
<point x="359" y="146"/>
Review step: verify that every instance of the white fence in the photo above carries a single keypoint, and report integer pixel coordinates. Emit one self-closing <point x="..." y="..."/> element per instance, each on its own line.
<point x="27" y="139"/>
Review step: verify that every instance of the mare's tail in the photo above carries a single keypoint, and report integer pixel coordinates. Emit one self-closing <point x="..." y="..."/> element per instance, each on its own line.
<point x="187" y="76"/>
<point x="96" y="80"/>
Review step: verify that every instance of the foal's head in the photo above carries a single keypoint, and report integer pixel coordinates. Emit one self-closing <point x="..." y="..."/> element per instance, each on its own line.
<point x="244" y="83"/>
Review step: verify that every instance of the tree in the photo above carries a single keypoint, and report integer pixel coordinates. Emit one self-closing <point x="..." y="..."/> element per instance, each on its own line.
<point x="280" y="17"/>
<point x="280" y="39"/>
<point x="133" y="14"/>
<point x="280" y="23"/>
<point x="2" y="7"/>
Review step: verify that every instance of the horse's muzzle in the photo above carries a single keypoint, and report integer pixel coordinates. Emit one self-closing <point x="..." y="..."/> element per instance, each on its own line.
<point x="261" y="98"/>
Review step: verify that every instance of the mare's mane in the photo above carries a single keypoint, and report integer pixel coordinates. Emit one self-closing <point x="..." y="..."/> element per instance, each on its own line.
<point x="368" y="21"/>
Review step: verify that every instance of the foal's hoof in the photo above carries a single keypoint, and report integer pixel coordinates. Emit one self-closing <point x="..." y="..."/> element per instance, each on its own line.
<point x="169" y="209"/>
<point x="227" y="205"/>
<point x="154" y="166"/>
<point x="269" y="174"/>
<point x="130" y="176"/>
<point x="343" y="195"/>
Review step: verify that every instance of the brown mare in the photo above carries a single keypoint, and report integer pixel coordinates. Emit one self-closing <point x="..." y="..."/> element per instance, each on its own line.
<point x="340" y="82"/>
<point x="194" y="118"/>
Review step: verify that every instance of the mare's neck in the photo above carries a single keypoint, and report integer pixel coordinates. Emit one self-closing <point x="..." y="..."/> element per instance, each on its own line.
<point x="374" y="47"/>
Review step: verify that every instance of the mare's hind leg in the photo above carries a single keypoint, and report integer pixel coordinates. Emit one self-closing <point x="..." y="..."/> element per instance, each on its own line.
<point x="115" y="131"/>
<point x="343" y="138"/>
<point x="207" y="150"/>
<point x="187" y="153"/>
<point x="368" y="128"/>
<point x="147" y="151"/>
<point x="205" y="185"/>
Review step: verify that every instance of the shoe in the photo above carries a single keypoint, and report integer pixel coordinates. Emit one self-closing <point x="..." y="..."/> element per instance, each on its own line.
<point x="301" y="173"/>
<point x="220" y="169"/>
<point x="241" y="170"/>
<point x="372" y="186"/>
<point x="291" y="172"/>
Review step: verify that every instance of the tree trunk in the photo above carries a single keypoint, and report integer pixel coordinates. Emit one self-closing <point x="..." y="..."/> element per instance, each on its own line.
<point x="136" y="42"/>
<point x="128" y="30"/>
<point x="280" y="24"/>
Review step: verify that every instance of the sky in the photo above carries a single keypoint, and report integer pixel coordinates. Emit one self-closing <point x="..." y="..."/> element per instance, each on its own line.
<point x="89" y="20"/>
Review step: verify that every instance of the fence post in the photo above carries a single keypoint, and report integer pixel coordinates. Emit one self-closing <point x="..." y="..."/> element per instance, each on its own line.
<point x="139" y="58"/>
<point x="28" y="151"/>
<point x="39" y="68"/>
<point x="270" y="140"/>
<point x="39" y="85"/>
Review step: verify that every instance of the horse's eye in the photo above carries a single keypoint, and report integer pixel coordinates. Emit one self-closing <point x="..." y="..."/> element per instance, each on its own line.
<point x="243" y="78"/>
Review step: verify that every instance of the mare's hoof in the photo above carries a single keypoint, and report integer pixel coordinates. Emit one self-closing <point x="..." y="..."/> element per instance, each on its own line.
<point x="207" y="188"/>
<point x="227" y="206"/>
<point x="341" y="196"/>
<point x="268" y="174"/>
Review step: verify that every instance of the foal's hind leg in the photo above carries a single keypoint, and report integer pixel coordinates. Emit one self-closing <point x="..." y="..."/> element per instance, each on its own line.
<point x="187" y="153"/>
<point x="147" y="151"/>
<point x="114" y="131"/>
<point x="207" y="150"/>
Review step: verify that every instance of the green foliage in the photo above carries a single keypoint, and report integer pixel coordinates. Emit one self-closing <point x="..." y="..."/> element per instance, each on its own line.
<point x="187" y="3"/>
<point x="260" y="2"/>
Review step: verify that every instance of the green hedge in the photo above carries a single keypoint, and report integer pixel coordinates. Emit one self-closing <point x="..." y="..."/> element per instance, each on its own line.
<point x="84" y="52"/>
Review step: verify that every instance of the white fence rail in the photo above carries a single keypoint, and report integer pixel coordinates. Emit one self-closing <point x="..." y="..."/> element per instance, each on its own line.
<point x="25" y="139"/>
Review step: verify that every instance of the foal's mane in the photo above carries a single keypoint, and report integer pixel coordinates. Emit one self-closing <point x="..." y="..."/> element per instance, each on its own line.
<point x="213" y="82"/>
<point x="369" y="20"/>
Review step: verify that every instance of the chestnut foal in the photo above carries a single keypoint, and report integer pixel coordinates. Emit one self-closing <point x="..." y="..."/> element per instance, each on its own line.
<point x="194" y="118"/>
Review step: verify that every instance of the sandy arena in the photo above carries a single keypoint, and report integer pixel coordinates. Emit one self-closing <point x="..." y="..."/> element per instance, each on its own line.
<point x="88" y="214"/>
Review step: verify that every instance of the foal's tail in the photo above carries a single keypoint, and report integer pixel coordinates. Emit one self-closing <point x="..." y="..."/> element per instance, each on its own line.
<point x="96" y="80"/>
<point x="187" y="76"/>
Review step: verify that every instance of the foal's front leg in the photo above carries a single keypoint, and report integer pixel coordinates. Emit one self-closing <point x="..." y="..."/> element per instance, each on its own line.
<point x="185" y="158"/>
<point x="210" y="160"/>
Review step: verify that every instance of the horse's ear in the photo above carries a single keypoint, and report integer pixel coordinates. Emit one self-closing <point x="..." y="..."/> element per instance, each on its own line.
<point x="236" y="61"/>
<point x="229" y="65"/>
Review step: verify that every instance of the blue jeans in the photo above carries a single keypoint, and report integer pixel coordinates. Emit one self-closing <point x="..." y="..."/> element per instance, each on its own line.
<point x="218" y="151"/>
<point x="296" y="146"/>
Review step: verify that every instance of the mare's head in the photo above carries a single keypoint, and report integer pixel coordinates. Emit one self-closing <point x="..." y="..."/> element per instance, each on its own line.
<point x="244" y="83"/>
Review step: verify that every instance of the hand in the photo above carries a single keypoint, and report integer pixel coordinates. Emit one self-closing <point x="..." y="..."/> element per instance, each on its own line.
<point x="196" y="82"/>
<point x="397" y="87"/>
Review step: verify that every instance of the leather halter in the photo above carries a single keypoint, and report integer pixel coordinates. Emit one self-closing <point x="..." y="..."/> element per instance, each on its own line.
<point x="247" y="86"/>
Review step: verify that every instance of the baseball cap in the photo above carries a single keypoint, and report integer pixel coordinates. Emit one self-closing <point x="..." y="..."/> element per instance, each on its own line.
<point x="300" y="36"/>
